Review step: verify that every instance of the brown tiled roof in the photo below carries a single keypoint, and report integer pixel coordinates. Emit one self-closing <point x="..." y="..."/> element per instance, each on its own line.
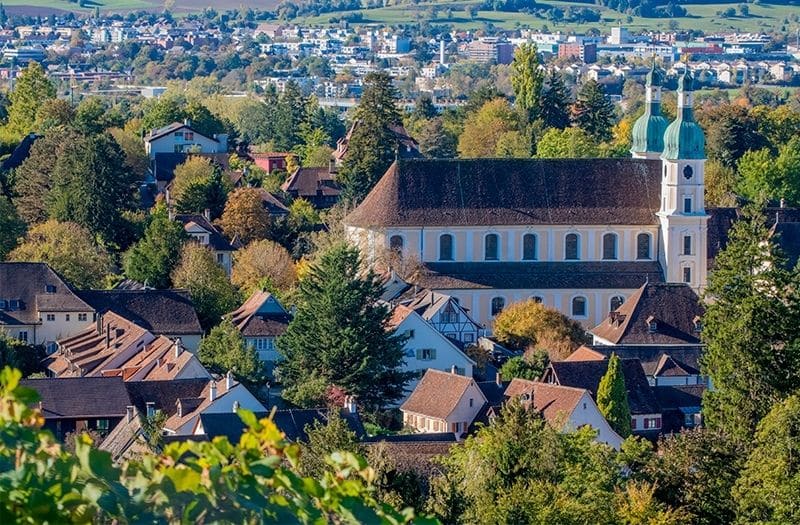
<point x="251" y="323"/>
<point x="584" y="353"/>
<point x="311" y="182"/>
<point x="80" y="397"/>
<point x="27" y="283"/>
<point x="653" y="357"/>
<point x="437" y="394"/>
<point x="554" y="402"/>
<point x="587" y="375"/>
<point x="272" y="204"/>
<point x="399" y="314"/>
<point x="484" y="192"/>
<point x="673" y="307"/>
<point x="538" y="275"/>
<point x="163" y="394"/>
<point x="169" y="312"/>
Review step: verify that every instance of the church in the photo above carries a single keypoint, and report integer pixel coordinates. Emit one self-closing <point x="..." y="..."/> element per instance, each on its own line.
<point x="579" y="235"/>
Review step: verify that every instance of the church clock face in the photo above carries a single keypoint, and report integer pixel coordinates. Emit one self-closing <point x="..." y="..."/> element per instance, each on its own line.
<point x="688" y="172"/>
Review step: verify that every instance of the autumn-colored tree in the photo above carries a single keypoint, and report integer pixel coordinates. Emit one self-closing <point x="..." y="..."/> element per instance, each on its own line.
<point x="245" y="217"/>
<point x="530" y="324"/>
<point x="54" y="112"/>
<point x="69" y="249"/>
<point x="568" y="143"/>
<point x="263" y="263"/>
<point x="485" y="128"/>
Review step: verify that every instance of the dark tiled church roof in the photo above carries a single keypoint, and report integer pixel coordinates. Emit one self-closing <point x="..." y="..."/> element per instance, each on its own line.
<point x="538" y="275"/>
<point x="483" y="192"/>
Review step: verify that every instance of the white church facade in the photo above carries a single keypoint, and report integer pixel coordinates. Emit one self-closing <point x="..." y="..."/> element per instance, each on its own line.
<point x="579" y="235"/>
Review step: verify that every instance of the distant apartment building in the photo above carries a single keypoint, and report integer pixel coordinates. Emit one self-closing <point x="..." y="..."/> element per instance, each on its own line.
<point x="23" y="55"/>
<point x="587" y="53"/>
<point x="491" y="50"/>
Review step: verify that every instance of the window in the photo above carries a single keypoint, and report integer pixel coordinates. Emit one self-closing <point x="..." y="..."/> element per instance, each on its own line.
<point x="51" y="347"/>
<point x="220" y="258"/>
<point x="409" y="334"/>
<point x="537" y="299"/>
<point x="2" y="304"/>
<point x="13" y="304"/>
<point x="498" y="303"/>
<point x="529" y="247"/>
<point x="396" y="244"/>
<point x="23" y="336"/>
<point x="643" y="246"/>
<point x="471" y="402"/>
<point x="687" y="244"/>
<point x="571" y="247"/>
<point x="446" y="247"/>
<point x="491" y="245"/>
<point x="49" y="288"/>
<point x="102" y="425"/>
<point x="687" y="274"/>
<point x="179" y="134"/>
<point x="688" y="172"/>
<point x="651" y="423"/>
<point x="610" y="246"/>
<point x="652" y="324"/>
<point x="51" y="317"/>
<point x="82" y="317"/>
<point x="687" y="205"/>
<point x="633" y="420"/>
<point x="449" y="314"/>
<point x="189" y="135"/>
<point x="616" y="302"/>
<point x="469" y="338"/>
<point x="67" y="317"/>
<point x="579" y="307"/>
<point x="426" y="354"/>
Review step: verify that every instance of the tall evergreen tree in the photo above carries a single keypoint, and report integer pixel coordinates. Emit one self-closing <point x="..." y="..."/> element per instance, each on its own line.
<point x="338" y="336"/>
<point x="527" y="80"/>
<point x="593" y="111"/>
<point x="152" y="259"/>
<point x="31" y="89"/>
<point x="289" y="117"/>
<point x="372" y="145"/>
<point x="751" y="330"/>
<point x="612" y="398"/>
<point x="555" y="102"/>
<point x="12" y="227"/>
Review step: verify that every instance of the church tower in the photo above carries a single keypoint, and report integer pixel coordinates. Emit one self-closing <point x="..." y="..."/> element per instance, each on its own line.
<point x="682" y="215"/>
<point x="648" y="131"/>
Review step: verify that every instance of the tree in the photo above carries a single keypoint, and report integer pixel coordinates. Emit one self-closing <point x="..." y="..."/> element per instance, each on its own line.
<point x="435" y="141"/>
<point x="12" y="228"/>
<point x="532" y="325"/>
<point x="245" y="216"/>
<point x="151" y="260"/>
<point x="323" y="440"/>
<point x="20" y="355"/>
<point x="593" y="112"/>
<point x="261" y="264"/>
<point x="751" y="329"/>
<point x="256" y="480"/>
<point x="730" y="131"/>
<point x="424" y="108"/>
<point x="568" y="143"/>
<point x="524" y="367"/>
<point x="136" y="159"/>
<point x="372" y="145"/>
<point x="612" y="398"/>
<point x="53" y="113"/>
<point x="67" y="248"/>
<point x="92" y="115"/>
<point x="212" y="294"/>
<point x="720" y="183"/>
<point x="338" y="335"/>
<point x="224" y="349"/>
<point x="769" y="487"/>
<point x="527" y="80"/>
<point x="555" y="102"/>
<point x="485" y="128"/>
<point x="31" y="89"/>
<point x="765" y="177"/>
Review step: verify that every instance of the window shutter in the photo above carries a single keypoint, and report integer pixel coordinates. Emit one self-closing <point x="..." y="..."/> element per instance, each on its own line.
<point x="433" y="353"/>
<point x="419" y="353"/>
<point x="633" y="423"/>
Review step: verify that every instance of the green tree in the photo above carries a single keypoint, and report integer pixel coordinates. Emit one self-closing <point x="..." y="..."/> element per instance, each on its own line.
<point x="20" y="355"/>
<point x="338" y="336"/>
<point x="612" y="398"/>
<point x="92" y="115"/>
<point x="555" y="102"/>
<point x="435" y="141"/>
<point x="31" y="89"/>
<point x="212" y="293"/>
<point x="323" y="440"/>
<point x="763" y="176"/>
<point x="527" y="79"/>
<point x="12" y="228"/>
<point x="372" y="145"/>
<point x="568" y="143"/>
<point x="593" y="111"/>
<point x="290" y="114"/>
<point x="151" y="260"/>
<point x="730" y="131"/>
<point x="769" y="487"/>
<point x="484" y="129"/>
<point x="751" y="329"/>
<point x="224" y="349"/>
<point x="67" y="248"/>
<point x="525" y="367"/>
<point x="53" y="113"/>
<point x="720" y="183"/>
<point x="136" y="159"/>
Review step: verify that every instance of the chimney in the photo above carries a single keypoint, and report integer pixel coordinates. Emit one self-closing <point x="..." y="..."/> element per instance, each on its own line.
<point x="207" y="214"/>
<point x="129" y="412"/>
<point x="441" y="52"/>
<point x="99" y="326"/>
<point x="235" y="406"/>
<point x="783" y="202"/>
<point x="454" y="370"/>
<point x="212" y="391"/>
<point x="151" y="409"/>
<point x="187" y="122"/>
<point x="108" y="336"/>
<point x="180" y="408"/>
<point x="228" y="381"/>
<point x="177" y="347"/>
<point x="498" y="379"/>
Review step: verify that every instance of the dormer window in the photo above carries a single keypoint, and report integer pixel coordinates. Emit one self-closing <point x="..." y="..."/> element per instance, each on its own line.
<point x="3" y="304"/>
<point x="652" y="324"/>
<point x="49" y="288"/>
<point x="13" y="304"/>
<point x="698" y="324"/>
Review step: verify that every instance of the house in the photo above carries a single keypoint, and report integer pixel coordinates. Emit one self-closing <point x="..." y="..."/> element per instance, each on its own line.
<point x="316" y="185"/>
<point x="168" y="313"/>
<point x="262" y="319"/>
<point x="425" y="347"/>
<point x="80" y="404"/>
<point x="580" y="235"/>
<point x="115" y="346"/>
<point x="201" y="229"/>
<point x="646" y="416"/>
<point x="443" y="402"/>
<point x="681" y="406"/>
<point x="407" y="146"/>
<point x="38" y="306"/>
<point x="663" y="365"/>
<point x="445" y="314"/>
<point x="273" y="205"/>
<point x="181" y="137"/>
<point x="270" y="162"/>
<point x="565" y="408"/>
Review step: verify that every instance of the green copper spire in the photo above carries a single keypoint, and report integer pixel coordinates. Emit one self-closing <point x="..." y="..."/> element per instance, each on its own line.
<point x="684" y="138"/>
<point x="648" y="131"/>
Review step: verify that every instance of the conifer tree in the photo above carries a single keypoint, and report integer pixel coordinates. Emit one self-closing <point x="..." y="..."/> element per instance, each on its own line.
<point x="612" y="398"/>
<point x="152" y="259"/>
<point x="31" y="89"/>
<point x="554" y="107"/>
<point x="338" y="336"/>
<point x="593" y="111"/>
<point x="372" y="146"/>
<point x="527" y="80"/>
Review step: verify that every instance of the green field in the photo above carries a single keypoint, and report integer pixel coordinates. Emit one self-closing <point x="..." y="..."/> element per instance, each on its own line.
<point x="763" y="17"/>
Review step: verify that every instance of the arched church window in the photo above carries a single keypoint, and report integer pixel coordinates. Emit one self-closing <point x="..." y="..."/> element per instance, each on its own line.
<point x="643" y="246"/>
<point x="491" y="247"/>
<point x="446" y="247"/>
<point x="572" y="247"/>
<point x="610" y="246"/>
<point x="498" y="303"/>
<point x="396" y="244"/>
<point x="579" y="306"/>
<point x="529" y="247"/>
